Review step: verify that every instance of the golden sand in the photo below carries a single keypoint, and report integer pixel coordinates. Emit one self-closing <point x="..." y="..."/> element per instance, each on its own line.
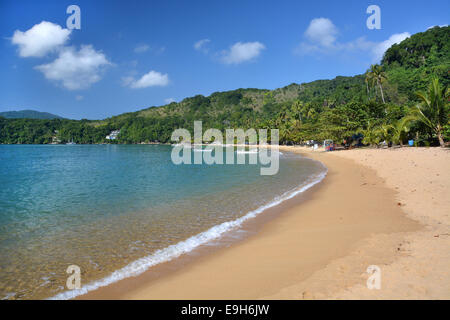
<point x="388" y="208"/>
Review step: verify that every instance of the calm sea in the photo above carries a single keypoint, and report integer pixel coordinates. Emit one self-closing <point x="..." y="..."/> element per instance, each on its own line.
<point x="117" y="210"/>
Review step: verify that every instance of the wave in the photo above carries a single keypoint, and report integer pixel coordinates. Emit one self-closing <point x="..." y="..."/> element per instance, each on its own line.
<point x="184" y="145"/>
<point x="176" y="250"/>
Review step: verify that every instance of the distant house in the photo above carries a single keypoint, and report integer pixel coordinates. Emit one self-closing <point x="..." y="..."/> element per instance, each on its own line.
<point x="113" y="135"/>
<point x="55" y="139"/>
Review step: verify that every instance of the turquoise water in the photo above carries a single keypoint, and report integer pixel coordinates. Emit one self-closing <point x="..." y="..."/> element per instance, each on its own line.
<point x="104" y="207"/>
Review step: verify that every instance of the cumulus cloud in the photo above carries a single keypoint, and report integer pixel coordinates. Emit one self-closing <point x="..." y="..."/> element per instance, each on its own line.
<point x="169" y="100"/>
<point x="41" y="39"/>
<point x="242" y="52"/>
<point x="201" y="45"/>
<point x="322" y="31"/>
<point x="440" y="26"/>
<point x="380" y="48"/>
<point x="150" y="79"/>
<point x="321" y="37"/>
<point x="75" y="69"/>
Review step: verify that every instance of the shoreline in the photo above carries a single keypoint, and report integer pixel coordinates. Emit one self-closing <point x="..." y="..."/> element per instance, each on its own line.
<point x="203" y="243"/>
<point x="290" y="249"/>
<point x="420" y="178"/>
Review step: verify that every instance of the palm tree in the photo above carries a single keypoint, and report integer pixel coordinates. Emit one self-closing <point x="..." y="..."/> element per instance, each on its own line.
<point x="399" y="130"/>
<point x="367" y="80"/>
<point x="372" y="134"/>
<point x="370" y="83"/>
<point x="377" y="76"/>
<point x="385" y="132"/>
<point x="296" y="109"/>
<point x="434" y="110"/>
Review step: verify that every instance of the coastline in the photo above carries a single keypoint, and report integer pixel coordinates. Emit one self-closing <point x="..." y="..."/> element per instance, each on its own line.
<point x="306" y="251"/>
<point x="421" y="180"/>
<point x="222" y="234"/>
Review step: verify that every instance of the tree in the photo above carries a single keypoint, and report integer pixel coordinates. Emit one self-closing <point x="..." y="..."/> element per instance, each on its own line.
<point x="433" y="110"/>
<point x="372" y="134"/>
<point x="399" y="130"/>
<point x="377" y="76"/>
<point x="367" y="80"/>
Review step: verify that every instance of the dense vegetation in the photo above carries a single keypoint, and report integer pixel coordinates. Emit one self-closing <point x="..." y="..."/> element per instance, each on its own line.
<point x="41" y="131"/>
<point x="30" y="114"/>
<point x="380" y="105"/>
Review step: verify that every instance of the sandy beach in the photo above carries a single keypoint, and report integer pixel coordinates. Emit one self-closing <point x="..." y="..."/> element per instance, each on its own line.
<point x="388" y="208"/>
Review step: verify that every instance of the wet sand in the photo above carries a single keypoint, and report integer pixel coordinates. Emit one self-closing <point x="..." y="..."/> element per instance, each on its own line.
<point x="319" y="244"/>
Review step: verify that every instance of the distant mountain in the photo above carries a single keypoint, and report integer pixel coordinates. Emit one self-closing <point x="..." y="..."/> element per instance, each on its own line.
<point x="28" y="114"/>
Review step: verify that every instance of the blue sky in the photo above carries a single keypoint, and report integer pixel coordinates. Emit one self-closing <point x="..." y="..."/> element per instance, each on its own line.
<point x="130" y="55"/>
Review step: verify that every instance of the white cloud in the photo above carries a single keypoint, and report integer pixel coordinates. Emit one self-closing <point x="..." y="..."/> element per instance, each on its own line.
<point x="379" y="49"/>
<point x="322" y="31"/>
<point x="41" y="39"/>
<point x="75" y="69"/>
<point x="241" y="52"/>
<point x="440" y="26"/>
<point x="169" y="100"/>
<point x="152" y="49"/>
<point x="150" y="79"/>
<point x="201" y="45"/>
<point x="322" y="38"/>
<point x="142" y="48"/>
<point x="79" y="97"/>
<point x="358" y="44"/>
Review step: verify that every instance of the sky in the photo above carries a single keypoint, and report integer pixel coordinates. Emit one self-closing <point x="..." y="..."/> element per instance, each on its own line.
<point x="130" y="55"/>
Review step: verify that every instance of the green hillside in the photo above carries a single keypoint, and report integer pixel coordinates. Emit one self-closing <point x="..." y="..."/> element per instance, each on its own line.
<point x="411" y="63"/>
<point x="28" y="114"/>
<point x="344" y="108"/>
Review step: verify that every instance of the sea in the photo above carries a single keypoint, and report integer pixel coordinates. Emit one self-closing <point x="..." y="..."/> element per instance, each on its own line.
<point x="115" y="211"/>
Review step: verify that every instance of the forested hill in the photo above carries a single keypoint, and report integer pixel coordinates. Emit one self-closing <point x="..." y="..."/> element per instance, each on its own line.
<point x="340" y="108"/>
<point x="28" y="114"/>
<point x="410" y="64"/>
<point x="409" y="67"/>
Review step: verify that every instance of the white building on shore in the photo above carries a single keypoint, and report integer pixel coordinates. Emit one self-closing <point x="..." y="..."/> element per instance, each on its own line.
<point x="113" y="135"/>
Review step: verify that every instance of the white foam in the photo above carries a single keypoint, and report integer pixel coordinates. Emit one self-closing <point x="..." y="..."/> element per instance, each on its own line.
<point x="174" y="251"/>
<point x="184" y="145"/>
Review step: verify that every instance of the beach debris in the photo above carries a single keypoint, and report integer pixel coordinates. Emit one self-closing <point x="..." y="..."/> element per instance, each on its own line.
<point x="306" y="295"/>
<point x="442" y="234"/>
